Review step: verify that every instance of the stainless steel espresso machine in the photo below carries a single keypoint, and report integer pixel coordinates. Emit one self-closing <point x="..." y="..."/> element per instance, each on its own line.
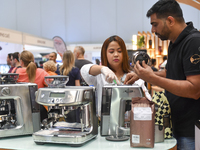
<point x="19" y="113"/>
<point x="115" y="111"/>
<point x="71" y="113"/>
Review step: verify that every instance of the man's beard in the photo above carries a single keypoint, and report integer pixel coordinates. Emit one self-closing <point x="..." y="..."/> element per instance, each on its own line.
<point x="162" y="37"/>
<point x="165" y="33"/>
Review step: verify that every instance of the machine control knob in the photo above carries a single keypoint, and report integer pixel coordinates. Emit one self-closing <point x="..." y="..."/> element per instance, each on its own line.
<point x="87" y="94"/>
<point x="5" y="91"/>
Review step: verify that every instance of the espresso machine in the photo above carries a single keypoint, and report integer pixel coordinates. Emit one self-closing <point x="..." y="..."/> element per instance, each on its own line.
<point x="72" y="116"/>
<point x="115" y="111"/>
<point x="19" y="113"/>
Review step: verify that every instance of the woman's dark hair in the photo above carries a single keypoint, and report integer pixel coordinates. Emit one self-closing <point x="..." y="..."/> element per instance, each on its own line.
<point x="104" y="60"/>
<point x="165" y="8"/>
<point x="97" y="61"/>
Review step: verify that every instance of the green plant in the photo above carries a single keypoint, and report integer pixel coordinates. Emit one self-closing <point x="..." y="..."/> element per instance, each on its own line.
<point x="141" y="42"/>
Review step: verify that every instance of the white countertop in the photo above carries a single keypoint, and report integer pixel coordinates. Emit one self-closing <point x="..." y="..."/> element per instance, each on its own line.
<point x="99" y="143"/>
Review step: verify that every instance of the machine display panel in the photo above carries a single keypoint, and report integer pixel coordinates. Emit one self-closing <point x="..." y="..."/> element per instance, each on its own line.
<point x="57" y="94"/>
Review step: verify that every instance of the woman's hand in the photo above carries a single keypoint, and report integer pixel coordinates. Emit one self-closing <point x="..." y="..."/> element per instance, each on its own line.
<point x="109" y="75"/>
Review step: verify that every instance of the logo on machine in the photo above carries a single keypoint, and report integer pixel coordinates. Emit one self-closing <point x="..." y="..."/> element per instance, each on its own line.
<point x="128" y="91"/>
<point x="5" y="91"/>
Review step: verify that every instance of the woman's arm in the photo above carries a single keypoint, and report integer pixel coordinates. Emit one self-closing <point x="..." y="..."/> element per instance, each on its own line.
<point x="95" y="70"/>
<point x="77" y="83"/>
<point x="89" y="79"/>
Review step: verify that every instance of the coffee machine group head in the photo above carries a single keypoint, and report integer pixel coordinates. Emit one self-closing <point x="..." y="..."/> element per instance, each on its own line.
<point x="71" y="113"/>
<point x="19" y="113"/>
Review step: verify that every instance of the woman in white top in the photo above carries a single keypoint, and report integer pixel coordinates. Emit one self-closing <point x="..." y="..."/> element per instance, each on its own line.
<point x="115" y="66"/>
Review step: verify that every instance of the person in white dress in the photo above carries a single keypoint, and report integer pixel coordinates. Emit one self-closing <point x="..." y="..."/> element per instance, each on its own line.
<point x="115" y="66"/>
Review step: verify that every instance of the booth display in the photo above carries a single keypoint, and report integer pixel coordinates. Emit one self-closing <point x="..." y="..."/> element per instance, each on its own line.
<point x="14" y="41"/>
<point x="10" y="42"/>
<point x="38" y="46"/>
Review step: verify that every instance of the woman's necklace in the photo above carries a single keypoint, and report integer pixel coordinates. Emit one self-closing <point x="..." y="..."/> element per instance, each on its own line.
<point x="120" y="77"/>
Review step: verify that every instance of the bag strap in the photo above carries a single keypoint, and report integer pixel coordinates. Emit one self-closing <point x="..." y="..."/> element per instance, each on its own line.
<point x="17" y="68"/>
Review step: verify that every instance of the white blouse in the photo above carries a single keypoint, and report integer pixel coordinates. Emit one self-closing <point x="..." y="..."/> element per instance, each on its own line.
<point x="99" y="81"/>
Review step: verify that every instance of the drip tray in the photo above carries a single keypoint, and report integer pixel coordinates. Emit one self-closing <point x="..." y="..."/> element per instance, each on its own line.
<point x="70" y="126"/>
<point x="68" y="133"/>
<point x="71" y="137"/>
<point x="61" y="133"/>
<point x="66" y="125"/>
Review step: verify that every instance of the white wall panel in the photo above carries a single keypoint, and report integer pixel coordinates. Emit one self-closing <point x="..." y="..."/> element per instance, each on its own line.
<point x="190" y="14"/>
<point x="29" y="16"/>
<point x="78" y="21"/>
<point x="53" y="18"/>
<point x="82" y="21"/>
<point x="129" y="18"/>
<point x="103" y="20"/>
<point x="147" y="4"/>
<point x="8" y="15"/>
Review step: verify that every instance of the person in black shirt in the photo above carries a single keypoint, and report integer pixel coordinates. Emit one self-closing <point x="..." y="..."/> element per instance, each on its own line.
<point x="153" y="63"/>
<point x="181" y="77"/>
<point x="79" y="52"/>
<point x="68" y="69"/>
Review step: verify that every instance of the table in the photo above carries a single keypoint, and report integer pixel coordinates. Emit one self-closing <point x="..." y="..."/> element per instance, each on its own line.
<point x="99" y="143"/>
